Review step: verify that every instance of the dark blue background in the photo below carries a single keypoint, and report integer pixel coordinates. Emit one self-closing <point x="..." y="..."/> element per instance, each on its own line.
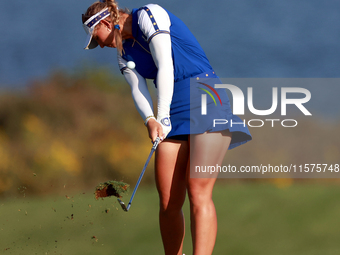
<point x="242" y="38"/>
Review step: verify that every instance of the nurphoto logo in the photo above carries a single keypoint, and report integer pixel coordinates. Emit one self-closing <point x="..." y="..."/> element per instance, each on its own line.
<point x="238" y="106"/>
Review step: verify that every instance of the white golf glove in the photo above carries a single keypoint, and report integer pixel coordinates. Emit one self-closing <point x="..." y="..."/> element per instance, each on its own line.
<point x="166" y="125"/>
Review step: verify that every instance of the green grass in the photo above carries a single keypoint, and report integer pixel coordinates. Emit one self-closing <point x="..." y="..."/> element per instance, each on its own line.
<point x="253" y="219"/>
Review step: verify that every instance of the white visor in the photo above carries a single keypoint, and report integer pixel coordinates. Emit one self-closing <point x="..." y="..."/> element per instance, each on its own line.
<point x="89" y="26"/>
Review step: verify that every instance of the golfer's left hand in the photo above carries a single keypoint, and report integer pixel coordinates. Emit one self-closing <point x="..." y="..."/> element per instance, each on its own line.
<point x="166" y="125"/>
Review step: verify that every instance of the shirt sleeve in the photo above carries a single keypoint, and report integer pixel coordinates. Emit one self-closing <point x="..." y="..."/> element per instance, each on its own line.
<point x="139" y="89"/>
<point x="154" y="20"/>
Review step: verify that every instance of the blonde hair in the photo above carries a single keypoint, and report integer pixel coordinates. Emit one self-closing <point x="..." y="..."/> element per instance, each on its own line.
<point x="114" y="17"/>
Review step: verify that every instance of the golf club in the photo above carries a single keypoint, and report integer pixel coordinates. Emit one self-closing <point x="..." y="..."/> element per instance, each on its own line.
<point x="124" y="207"/>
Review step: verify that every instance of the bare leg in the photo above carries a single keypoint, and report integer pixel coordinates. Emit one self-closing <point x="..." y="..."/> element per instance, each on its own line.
<point x="170" y="172"/>
<point x="206" y="149"/>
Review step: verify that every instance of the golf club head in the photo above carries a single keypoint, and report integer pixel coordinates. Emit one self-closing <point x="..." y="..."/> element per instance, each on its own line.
<point x="122" y="205"/>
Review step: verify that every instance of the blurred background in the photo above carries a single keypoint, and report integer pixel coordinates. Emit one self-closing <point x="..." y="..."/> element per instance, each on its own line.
<point x="67" y="123"/>
<point x="241" y="38"/>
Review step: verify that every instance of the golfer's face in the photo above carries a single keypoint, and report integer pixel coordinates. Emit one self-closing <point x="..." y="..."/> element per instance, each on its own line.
<point x="104" y="37"/>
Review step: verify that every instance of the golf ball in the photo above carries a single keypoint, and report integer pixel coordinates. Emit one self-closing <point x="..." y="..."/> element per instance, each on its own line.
<point x="131" y="64"/>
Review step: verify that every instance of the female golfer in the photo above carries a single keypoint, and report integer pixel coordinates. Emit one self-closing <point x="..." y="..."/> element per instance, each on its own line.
<point x="162" y="48"/>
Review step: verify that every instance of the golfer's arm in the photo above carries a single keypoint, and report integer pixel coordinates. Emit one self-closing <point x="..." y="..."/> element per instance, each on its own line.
<point x="139" y="90"/>
<point x="160" y="47"/>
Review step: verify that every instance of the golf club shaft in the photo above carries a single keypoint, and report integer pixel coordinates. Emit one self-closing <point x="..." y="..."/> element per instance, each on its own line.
<point x="154" y="147"/>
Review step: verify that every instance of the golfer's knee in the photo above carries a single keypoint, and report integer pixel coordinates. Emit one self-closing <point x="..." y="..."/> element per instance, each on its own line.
<point x="199" y="197"/>
<point x="170" y="207"/>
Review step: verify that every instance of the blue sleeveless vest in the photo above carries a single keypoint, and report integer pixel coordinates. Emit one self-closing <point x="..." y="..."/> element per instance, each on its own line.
<point x="189" y="58"/>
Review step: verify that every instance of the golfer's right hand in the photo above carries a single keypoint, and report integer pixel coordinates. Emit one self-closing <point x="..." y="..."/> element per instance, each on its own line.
<point x="155" y="129"/>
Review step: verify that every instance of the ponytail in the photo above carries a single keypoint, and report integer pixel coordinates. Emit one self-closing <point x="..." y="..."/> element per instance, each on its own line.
<point x="112" y="5"/>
